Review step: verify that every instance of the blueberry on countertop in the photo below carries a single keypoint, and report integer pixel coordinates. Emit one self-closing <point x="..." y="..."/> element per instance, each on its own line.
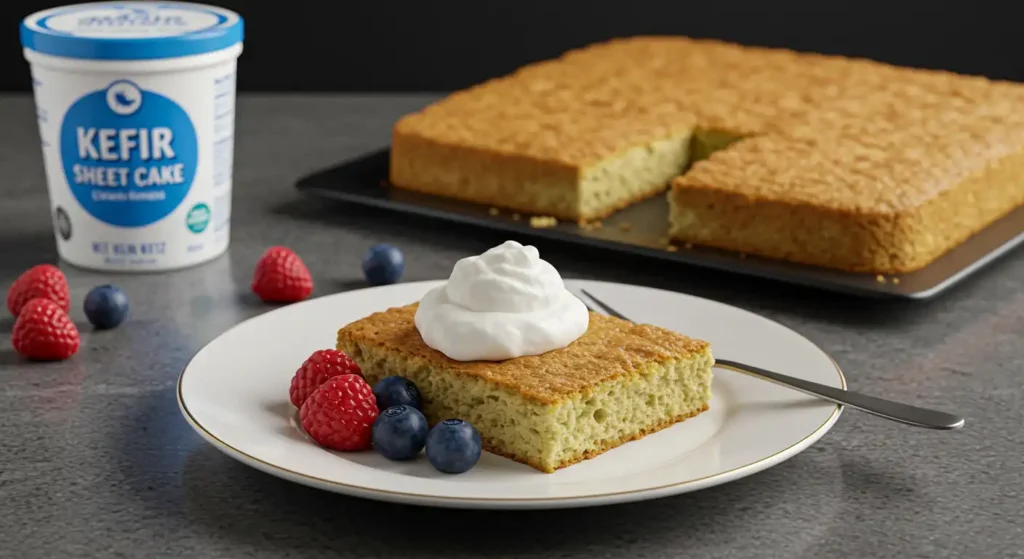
<point x="106" y="306"/>
<point x="399" y="433"/>
<point x="383" y="264"/>
<point x="453" y="446"/>
<point x="396" y="391"/>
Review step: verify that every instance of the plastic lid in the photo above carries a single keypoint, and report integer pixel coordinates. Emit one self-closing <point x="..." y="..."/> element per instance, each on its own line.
<point x="131" y="30"/>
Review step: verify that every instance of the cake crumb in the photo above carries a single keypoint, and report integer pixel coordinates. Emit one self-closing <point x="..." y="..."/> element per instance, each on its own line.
<point x="543" y="222"/>
<point x="880" y="278"/>
<point x="590" y="225"/>
<point x="625" y="226"/>
<point x="515" y="217"/>
<point x="688" y="246"/>
<point x="743" y="256"/>
<point x="493" y="211"/>
<point x="896" y="281"/>
<point x="672" y="248"/>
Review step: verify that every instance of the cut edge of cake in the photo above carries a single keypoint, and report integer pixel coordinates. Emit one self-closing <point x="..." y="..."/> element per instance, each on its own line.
<point x="544" y="187"/>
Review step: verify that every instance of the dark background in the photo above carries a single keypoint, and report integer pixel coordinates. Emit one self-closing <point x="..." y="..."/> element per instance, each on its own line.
<point x="437" y="45"/>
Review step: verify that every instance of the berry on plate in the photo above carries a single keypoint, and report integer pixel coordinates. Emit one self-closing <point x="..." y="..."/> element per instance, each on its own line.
<point x="340" y="414"/>
<point x="316" y="369"/>
<point x="44" y="281"/>
<point x="399" y="433"/>
<point x="106" y="306"/>
<point x="453" y="446"/>
<point x="396" y="391"/>
<point x="383" y="264"/>
<point x="43" y="332"/>
<point x="281" y="277"/>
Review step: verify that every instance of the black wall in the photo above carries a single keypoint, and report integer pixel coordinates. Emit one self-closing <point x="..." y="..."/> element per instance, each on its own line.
<point x="431" y="45"/>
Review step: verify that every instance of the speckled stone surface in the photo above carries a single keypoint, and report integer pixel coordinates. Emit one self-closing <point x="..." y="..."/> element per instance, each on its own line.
<point x="96" y="461"/>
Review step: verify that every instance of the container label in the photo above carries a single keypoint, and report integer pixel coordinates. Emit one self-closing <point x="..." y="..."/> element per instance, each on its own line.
<point x="129" y="155"/>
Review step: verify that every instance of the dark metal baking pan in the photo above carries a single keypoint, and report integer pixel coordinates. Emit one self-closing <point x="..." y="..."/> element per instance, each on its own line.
<point x="641" y="230"/>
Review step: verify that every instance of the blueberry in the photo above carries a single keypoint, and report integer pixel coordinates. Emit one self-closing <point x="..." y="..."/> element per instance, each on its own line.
<point x="396" y="391"/>
<point x="383" y="264"/>
<point x="106" y="306"/>
<point x="399" y="433"/>
<point x="453" y="446"/>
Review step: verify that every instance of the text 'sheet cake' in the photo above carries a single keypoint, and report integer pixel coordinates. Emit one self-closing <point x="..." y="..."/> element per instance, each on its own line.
<point x="843" y="163"/>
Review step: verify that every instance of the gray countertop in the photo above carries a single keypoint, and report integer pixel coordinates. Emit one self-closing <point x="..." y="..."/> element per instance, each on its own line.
<point x="96" y="461"/>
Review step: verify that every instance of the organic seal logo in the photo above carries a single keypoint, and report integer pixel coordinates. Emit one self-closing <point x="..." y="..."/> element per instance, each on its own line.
<point x="198" y="218"/>
<point x="124" y="98"/>
<point x="129" y="155"/>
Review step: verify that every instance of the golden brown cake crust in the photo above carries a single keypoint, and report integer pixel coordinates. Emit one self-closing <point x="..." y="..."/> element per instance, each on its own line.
<point x="610" y="348"/>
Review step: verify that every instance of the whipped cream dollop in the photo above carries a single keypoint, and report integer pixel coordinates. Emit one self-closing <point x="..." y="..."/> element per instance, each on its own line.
<point x="504" y="303"/>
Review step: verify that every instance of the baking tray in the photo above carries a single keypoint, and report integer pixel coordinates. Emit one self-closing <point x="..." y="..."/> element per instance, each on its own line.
<point x="641" y="230"/>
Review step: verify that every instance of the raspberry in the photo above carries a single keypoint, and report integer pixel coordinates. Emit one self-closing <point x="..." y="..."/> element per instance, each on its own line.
<point x="340" y="414"/>
<point x="43" y="332"/>
<point x="44" y="281"/>
<point x="322" y="365"/>
<point x="281" y="277"/>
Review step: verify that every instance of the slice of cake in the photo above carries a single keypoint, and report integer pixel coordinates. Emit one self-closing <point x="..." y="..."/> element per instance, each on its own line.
<point x="618" y="382"/>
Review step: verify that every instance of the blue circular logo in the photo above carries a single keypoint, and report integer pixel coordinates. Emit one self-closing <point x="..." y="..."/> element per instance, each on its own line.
<point x="129" y="155"/>
<point x="123" y="98"/>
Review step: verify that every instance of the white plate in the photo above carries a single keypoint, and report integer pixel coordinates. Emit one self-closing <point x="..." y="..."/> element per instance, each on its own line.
<point x="234" y="393"/>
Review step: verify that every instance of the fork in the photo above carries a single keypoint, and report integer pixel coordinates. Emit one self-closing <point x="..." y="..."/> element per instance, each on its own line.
<point x="888" y="409"/>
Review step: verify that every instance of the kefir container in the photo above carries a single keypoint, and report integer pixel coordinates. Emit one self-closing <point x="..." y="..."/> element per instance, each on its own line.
<point x="136" y="110"/>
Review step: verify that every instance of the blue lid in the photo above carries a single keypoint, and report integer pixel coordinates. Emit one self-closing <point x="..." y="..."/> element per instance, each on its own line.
<point x="131" y="30"/>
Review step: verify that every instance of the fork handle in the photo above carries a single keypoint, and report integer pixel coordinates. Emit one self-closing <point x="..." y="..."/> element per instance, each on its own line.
<point x="903" y="413"/>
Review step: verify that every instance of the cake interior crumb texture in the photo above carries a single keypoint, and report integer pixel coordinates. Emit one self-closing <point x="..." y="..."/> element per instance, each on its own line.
<point x="838" y="162"/>
<point x="619" y="382"/>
